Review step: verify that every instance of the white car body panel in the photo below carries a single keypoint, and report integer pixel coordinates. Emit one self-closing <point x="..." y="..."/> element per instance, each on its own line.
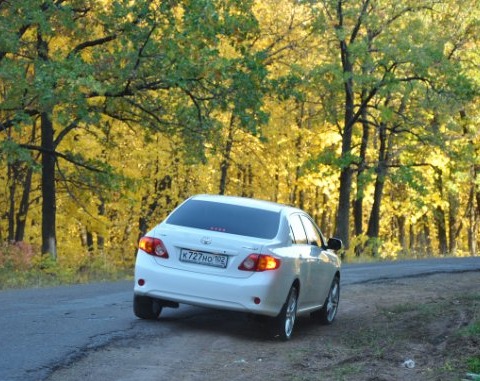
<point x="169" y="279"/>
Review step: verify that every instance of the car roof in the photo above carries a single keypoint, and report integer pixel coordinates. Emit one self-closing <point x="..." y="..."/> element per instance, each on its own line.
<point x="245" y="201"/>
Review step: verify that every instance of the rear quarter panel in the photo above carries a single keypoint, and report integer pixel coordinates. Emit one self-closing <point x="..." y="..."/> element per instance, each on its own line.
<point x="312" y="266"/>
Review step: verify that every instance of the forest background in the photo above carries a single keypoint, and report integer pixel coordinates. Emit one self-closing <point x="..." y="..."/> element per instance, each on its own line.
<point x="364" y="113"/>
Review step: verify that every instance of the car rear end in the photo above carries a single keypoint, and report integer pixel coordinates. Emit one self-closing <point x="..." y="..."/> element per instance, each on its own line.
<point x="216" y="252"/>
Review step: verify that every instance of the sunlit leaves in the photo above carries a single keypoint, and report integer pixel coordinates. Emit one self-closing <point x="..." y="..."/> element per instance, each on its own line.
<point x="149" y="98"/>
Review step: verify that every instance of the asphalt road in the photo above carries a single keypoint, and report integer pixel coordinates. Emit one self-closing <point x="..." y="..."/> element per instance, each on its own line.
<point x="43" y="329"/>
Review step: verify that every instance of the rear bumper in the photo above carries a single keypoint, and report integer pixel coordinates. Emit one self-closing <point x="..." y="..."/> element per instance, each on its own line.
<point x="214" y="291"/>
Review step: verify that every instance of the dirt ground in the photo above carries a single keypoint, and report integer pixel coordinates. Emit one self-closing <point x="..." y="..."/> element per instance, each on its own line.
<point x="407" y="329"/>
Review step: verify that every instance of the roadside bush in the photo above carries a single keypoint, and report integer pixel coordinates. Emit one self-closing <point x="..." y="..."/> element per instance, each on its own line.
<point x="22" y="265"/>
<point x="17" y="255"/>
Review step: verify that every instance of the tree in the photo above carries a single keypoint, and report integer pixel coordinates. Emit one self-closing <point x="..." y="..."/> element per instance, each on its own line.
<point x="48" y="77"/>
<point x="119" y="110"/>
<point x="374" y="42"/>
<point x="85" y="63"/>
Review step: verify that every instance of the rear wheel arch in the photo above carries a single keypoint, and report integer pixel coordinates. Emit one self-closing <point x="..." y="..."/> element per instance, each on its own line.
<point x="284" y="322"/>
<point x="296" y="284"/>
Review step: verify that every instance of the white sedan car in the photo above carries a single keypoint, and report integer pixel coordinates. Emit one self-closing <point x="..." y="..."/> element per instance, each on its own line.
<point x="239" y="254"/>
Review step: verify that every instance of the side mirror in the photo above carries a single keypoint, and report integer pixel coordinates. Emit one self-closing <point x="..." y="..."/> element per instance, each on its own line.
<point x="334" y="244"/>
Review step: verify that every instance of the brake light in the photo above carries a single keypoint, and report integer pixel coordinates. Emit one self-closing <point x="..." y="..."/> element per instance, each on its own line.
<point x="153" y="246"/>
<point x="259" y="262"/>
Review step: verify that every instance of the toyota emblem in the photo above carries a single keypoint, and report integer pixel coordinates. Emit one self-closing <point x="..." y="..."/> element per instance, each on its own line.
<point x="206" y="240"/>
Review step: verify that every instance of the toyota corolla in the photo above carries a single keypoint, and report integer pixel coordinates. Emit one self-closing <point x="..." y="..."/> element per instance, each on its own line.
<point x="239" y="254"/>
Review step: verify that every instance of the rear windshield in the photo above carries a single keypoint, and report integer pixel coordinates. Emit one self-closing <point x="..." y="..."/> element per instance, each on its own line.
<point x="233" y="219"/>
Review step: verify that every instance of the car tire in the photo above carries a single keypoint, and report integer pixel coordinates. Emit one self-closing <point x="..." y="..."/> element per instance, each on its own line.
<point x="326" y="315"/>
<point x="146" y="308"/>
<point x="285" y="321"/>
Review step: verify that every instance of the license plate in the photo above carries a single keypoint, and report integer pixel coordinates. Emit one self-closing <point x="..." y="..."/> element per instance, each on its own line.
<point x="202" y="258"/>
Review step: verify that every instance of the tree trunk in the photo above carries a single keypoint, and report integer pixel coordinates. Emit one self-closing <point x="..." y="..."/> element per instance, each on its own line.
<point x="383" y="157"/>
<point x="225" y="165"/>
<point x="49" y="239"/>
<point x="101" y="238"/>
<point x="472" y="225"/>
<point x="246" y="180"/>
<point x="21" y="217"/>
<point x="473" y="206"/>
<point x="439" y="215"/>
<point x="428" y="239"/>
<point x="342" y="229"/>
<point x="402" y="236"/>
<point x="476" y="209"/>
<point x="412" y="239"/>
<point x="11" y="178"/>
<point x="453" y="225"/>
<point x="295" y="197"/>
<point x="89" y="242"/>
<point x="326" y="217"/>
<point x="358" y="203"/>
<point x="343" y="213"/>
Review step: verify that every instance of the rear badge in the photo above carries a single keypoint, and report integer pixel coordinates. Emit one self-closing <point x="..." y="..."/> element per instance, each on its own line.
<point x="206" y="240"/>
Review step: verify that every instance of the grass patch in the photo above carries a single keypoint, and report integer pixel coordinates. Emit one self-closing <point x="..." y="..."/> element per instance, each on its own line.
<point x="420" y="315"/>
<point x="23" y="266"/>
<point x="375" y="342"/>
<point x="472" y="329"/>
<point x="41" y="278"/>
<point x="344" y="372"/>
<point x="473" y="364"/>
<point x="46" y="273"/>
<point x="399" y="309"/>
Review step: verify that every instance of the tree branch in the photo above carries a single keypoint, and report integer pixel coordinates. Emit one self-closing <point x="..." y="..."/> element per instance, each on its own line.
<point x="65" y="131"/>
<point x="91" y="43"/>
<point x="11" y="122"/>
<point x="140" y="51"/>
<point x="356" y="29"/>
<point x="66" y="157"/>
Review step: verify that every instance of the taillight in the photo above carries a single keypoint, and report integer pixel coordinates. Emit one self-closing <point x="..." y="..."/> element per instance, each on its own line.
<point x="153" y="246"/>
<point x="259" y="262"/>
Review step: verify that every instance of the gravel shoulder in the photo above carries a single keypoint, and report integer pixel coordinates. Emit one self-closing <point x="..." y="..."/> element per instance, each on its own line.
<point x="406" y="329"/>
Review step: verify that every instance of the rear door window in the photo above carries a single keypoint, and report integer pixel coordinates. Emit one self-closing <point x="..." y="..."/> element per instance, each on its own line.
<point x="296" y="226"/>
<point x="313" y="235"/>
<point x="226" y="218"/>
